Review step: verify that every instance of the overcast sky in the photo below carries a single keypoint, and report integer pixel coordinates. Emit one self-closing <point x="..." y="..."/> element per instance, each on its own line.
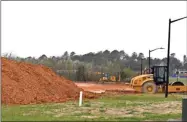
<point x="36" y="28"/>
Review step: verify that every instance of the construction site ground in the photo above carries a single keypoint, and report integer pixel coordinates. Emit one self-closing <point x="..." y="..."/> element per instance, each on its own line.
<point x="35" y="93"/>
<point x="96" y="87"/>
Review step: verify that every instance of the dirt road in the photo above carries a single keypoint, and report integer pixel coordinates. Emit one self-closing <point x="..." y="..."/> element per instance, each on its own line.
<point x="100" y="88"/>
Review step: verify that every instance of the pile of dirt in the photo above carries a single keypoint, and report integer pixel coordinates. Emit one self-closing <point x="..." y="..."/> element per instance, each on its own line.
<point x="24" y="83"/>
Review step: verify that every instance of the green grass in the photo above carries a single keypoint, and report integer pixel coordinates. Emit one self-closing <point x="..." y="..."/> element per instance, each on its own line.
<point x="184" y="80"/>
<point x="107" y="108"/>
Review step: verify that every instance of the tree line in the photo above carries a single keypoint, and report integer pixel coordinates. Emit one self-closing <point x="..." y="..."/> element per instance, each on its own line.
<point x="86" y="67"/>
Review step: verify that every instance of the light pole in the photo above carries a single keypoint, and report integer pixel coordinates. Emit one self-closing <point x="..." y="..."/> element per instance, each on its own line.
<point x="150" y="56"/>
<point x="167" y="82"/>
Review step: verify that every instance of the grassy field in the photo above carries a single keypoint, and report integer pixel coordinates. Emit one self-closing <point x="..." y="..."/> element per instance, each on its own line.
<point x="184" y="80"/>
<point x="108" y="108"/>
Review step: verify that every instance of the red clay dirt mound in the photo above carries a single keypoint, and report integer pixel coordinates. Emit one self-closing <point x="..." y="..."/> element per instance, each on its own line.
<point x="24" y="83"/>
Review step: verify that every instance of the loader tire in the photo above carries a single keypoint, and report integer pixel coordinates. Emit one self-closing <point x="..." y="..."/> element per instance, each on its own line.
<point x="149" y="87"/>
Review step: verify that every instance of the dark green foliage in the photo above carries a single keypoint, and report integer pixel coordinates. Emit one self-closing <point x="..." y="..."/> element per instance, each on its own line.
<point x="81" y="74"/>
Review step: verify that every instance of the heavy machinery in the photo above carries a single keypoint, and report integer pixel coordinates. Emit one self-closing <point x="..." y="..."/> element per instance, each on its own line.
<point x="106" y="77"/>
<point x="156" y="82"/>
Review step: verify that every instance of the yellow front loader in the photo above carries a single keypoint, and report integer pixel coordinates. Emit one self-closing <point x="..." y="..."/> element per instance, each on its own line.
<point x="106" y="77"/>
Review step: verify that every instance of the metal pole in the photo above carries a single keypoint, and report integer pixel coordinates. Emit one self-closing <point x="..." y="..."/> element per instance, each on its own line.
<point x="149" y="61"/>
<point x="167" y="82"/>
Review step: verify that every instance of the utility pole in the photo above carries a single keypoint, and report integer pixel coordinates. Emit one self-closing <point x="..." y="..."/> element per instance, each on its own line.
<point x="168" y="55"/>
<point x="167" y="82"/>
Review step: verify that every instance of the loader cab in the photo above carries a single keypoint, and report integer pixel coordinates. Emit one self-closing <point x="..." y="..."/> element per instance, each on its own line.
<point x="105" y="75"/>
<point x="159" y="74"/>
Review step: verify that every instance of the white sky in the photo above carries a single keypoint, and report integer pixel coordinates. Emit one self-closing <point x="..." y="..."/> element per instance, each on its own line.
<point x="51" y="28"/>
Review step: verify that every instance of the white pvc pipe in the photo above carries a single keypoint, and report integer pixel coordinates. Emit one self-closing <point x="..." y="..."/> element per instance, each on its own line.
<point x="80" y="99"/>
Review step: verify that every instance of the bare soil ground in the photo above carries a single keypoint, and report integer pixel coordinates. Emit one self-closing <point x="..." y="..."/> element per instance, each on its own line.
<point x="103" y="88"/>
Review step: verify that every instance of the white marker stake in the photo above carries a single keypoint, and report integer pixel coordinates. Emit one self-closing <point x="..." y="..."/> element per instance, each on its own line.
<point x="80" y="99"/>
